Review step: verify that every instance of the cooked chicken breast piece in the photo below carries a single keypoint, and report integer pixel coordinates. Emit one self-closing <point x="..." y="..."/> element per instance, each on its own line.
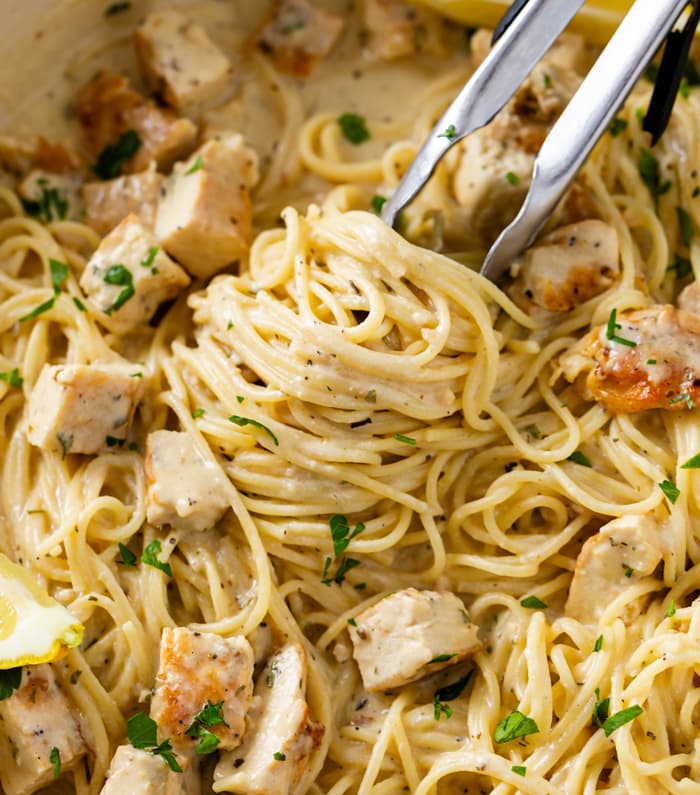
<point x="83" y="408"/>
<point x="108" y="203"/>
<point x="410" y="634"/>
<point x="647" y="359"/>
<point x="179" y="60"/>
<point x="196" y="669"/>
<point x="183" y="489"/>
<point x="622" y="552"/>
<point x="35" y="719"/>
<point x="136" y="772"/>
<point x="397" y="29"/>
<point x="281" y="735"/>
<point x="107" y="108"/>
<point x="298" y="35"/>
<point x="567" y="267"/>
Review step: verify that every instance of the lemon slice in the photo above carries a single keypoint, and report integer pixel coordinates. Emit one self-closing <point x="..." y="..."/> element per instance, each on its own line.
<point x="34" y="627"/>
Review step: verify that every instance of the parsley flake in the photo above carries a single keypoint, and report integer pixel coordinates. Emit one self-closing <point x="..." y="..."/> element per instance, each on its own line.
<point x="692" y="463"/>
<point x="346" y="564"/>
<point x="440" y="709"/>
<point x="66" y="442"/>
<point x="620" y="718"/>
<point x="377" y="203"/>
<point x="601" y="709"/>
<point x="142" y="733"/>
<point x="10" y="680"/>
<point x="579" y="458"/>
<point x="441" y="658"/>
<point x="354" y="128"/>
<point x="670" y="490"/>
<point x="79" y="304"/>
<point x="59" y="273"/>
<point x="127" y="556"/>
<point x="405" y="439"/>
<point x="513" y="726"/>
<point x="39" y="310"/>
<point x="512" y="178"/>
<point x="147" y="261"/>
<point x="520" y="770"/>
<point x="13" y="378"/>
<point x="196" y="166"/>
<point x="533" y="603"/>
<point x="685" y="222"/>
<point x="279" y="756"/>
<point x="340" y="533"/>
<point x="650" y="173"/>
<point x="119" y="276"/>
<point x="455" y="689"/>
<point x="243" y="421"/>
<point x="681" y="266"/>
<point x="51" y="203"/>
<point x="450" y="133"/>
<point x="55" y="759"/>
<point x="211" y="715"/>
<point x="612" y="327"/>
<point x="617" y="127"/>
<point x="598" y="643"/>
<point x="113" y="158"/>
<point x="150" y="557"/>
<point x="671" y="609"/>
<point x="197" y="413"/>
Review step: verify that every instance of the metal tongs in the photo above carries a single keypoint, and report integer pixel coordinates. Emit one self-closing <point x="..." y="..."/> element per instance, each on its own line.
<point x="526" y="32"/>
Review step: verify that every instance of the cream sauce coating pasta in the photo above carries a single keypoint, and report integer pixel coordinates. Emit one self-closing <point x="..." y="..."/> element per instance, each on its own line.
<point x="388" y="382"/>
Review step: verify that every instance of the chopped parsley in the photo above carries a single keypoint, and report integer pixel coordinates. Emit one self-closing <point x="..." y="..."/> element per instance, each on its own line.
<point x="612" y="327"/>
<point x="150" y="557"/>
<point x="66" y="442"/>
<point x="279" y="756"/>
<point x="13" y="378"/>
<point x="650" y="173"/>
<point x="352" y="622"/>
<point x="534" y="431"/>
<point x="651" y="361"/>
<point x="514" y="726"/>
<point x="127" y="556"/>
<point x="75" y="676"/>
<point x="119" y="276"/>
<point x="346" y="564"/>
<point x="211" y="715"/>
<point x="59" y="273"/>
<point x="196" y="166"/>
<point x="147" y="261"/>
<point x="629" y="571"/>
<point x="685" y="222"/>
<point x="670" y="490"/>
<point x="579" y="458"/>
<point x="598" y="643"/>
<point x="79" y="304"/>
<point x="512" y="178"/>
<point x="243" y="421"/>
<point x="377" y="203"/>
<point x="354" y="128"/>
<point x="450" y="133"/>
<point x="455" y="689"/>
<point x="114" y="441"/>
<point x="617" y="127"/>
<point x="10" y="680"/>
<point x="197" y="413"/>
<point x="671" y="609"/>
<point x="440" y="709"/>
<point x="142" y="732"/>
<point x="55" y="759"/>
<point x="50" y="204"/>
<point x="340" y="533"/>
<point x="692" y="463"/>
<point x="601" y="710"/>
<point x="681" y="266"/>
<point x="547" y="80"/>
<point x="620" y="718"/>
<point x="112" y="159"/>
<point x="239" y="398"/>
<point x="441" y="658"/>
<point x="682" y="399"/>
<point x="520" y="770"/>
<point x="39" y="310"/>
<point x="533" y="603"/>
<point x="405" y="439"/>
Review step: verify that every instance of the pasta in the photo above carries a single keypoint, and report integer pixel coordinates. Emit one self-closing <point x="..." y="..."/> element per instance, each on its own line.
<point x="345" y="370"/>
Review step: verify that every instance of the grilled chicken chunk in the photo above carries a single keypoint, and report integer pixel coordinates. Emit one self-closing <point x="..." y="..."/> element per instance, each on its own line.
<point x="183" y="489"/>
<point x="281" y="735"/>
<point x="136" y="772"/>
<point x="620" y="553"/>
<point x="83" y="408"/>
<point x="108" y="203"/>
<point x="298" y="35"/>
<point x="35" y="719"/>
<point x="647" y="359"/>
<point x="179" y="60"/>
<point x="397" y="29"/>
<point x="410" y="634"/>
<point x="567" y="267"/>
<point x="204" y="218"/>
<point x="197" y="669"/>
<point x="107" y="108"/>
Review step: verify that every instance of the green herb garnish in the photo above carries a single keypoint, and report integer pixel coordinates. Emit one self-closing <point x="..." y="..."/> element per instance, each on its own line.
<point x="13" y="378"/>
<point x="620" y="718"/>
<point x="533" y="603"/>
<point x="601" y="710"/>
<point x="450" y="133"/>
<point x="39" y="310"/>
<point x="579" y="458"/>
<point x="354" y="128"/>
<point x="55" y="759"/>
<point x="147" y="261"/>
<point x="127" y="556"/>
<point x="441" y="658"/>
<point x="598" y="643"/>
<point x="520" y="770"/>
<point x="211" y="715"/>
<point x="10" y="680"/>
<point x="66" y="442"/>
<point x="612" y="327"/>
<point x="670" y="490"/>
<point x="121" y="277"/>
<point x="617" y="127"/>
<point x="243" y="421"/>
<point x="692" y="463"/>
<point x="377" y="203"/>
<point x="142" y="733"/>
<point x="513" y="726"/>
<point x="405" y="439"/>
<point x="112" y="159"/>
<point x="340" y="533"/>
<point x="196" y="166"/>
<point x="512" y="178"/>
<point x="650" y="173"/>
<point x="671" y="609"/>
<point x="150" y="557"/>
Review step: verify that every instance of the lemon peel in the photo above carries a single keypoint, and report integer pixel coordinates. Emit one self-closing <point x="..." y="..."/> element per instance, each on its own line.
<point x="34" y="627"/>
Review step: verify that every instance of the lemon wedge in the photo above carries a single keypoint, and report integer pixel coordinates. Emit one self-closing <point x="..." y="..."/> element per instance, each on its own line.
<point x="34" y="627"/>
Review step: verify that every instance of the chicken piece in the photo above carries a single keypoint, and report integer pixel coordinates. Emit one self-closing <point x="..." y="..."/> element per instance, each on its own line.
<point x="396" y="29"/>
<point x="281" y="736"/>
<point x="107" y="203"/>
<point x="496" y="162"/>
<point x="621" y="553"/>
<point x="83" y="408"/>
<point x="204" y="218"/>
<point x="129" y="276"/>
<point x="647" y="359"/>
<point x="35" y="719"/>
<point x="107" y="108"/>
<point x="198" y="668"/>
<point x="136" y="772"/>
<point x="411" y="634"/>
<point x="18" y="158"/>
<point x="689" y="298"/>
<point x="567" y="267"/>
<point x="179" y="61"/>
<point x="298" y="35"/>
<point x="183" y="488"/>
<point x="51" y="197"/>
